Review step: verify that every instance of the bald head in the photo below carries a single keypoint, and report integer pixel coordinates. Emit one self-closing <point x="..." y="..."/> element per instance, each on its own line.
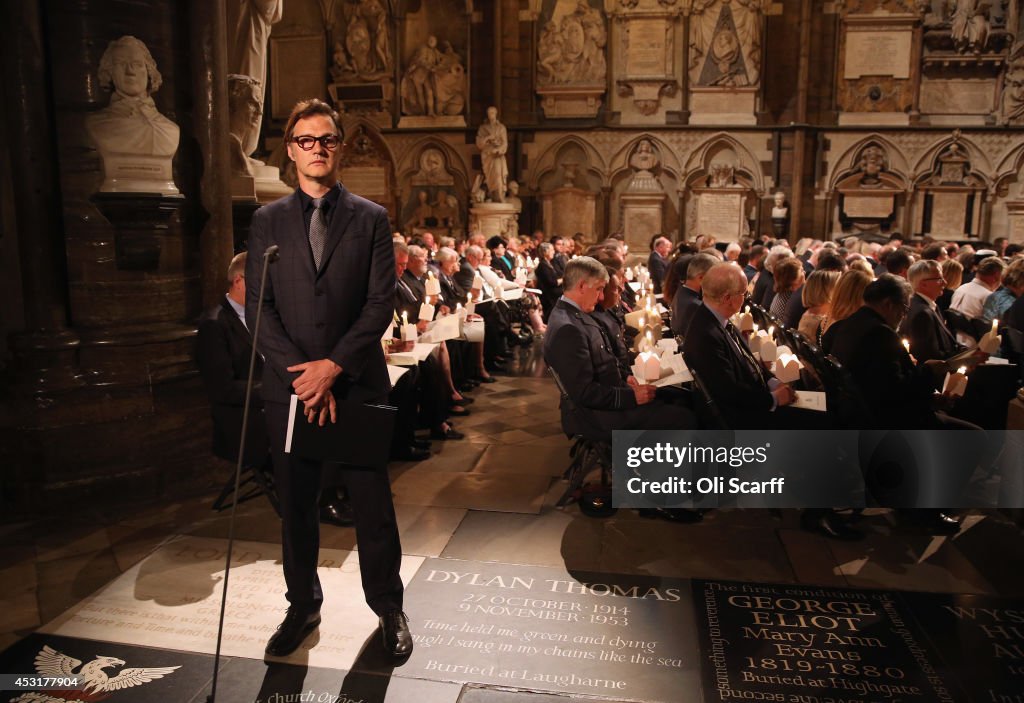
<point x="723" y="288"/>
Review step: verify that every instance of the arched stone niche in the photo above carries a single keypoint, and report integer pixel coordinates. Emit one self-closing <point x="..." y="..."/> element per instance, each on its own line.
<point x="569" y="187"/>
<point x="868" y="196"/>
<point x="644" y="186"/>
<point x="722" y="186"/>
<point x="434" y="189"/>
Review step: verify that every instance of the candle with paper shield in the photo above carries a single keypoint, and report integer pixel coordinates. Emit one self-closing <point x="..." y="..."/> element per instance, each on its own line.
<point x="478" y="282"/>
<point x="426" y="311"/>
<point x="408" y="329"/>
<point x="991" y="340"/>
<point x="746" y="321"/>
<point x="956" y="383"/>
<point x="787" y="367"/>
<point x="433" y="285"/>
<point x="649" y="366"/>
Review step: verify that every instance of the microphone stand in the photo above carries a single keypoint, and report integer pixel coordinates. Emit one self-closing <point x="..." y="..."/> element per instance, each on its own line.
<point x="269" y="256"/>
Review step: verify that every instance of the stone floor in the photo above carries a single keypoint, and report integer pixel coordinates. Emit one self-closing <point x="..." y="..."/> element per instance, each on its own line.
<point x="490" y="498"/>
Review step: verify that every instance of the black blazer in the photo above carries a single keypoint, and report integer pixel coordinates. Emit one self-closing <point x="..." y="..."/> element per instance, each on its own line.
<point x="658" y="266"/>
<point x="547" y="280"/>
<point x="558" y="263"/>
<point x="684" y="305"/>
<point x="764" y="289"/>
<point x="576" y="348"/>
<point x="501" y="267"/>
<point x="339" y="312"/>
<point x="223" y="351"/>
<point x="419" y="287"/>
<point x="451" y="292"/>
<point x="740" y="392"/>
<point x="464" y="277"/>
<point x="929" y="337"/>
<point x="897" y="392"/>
<point x="406" y="301"/>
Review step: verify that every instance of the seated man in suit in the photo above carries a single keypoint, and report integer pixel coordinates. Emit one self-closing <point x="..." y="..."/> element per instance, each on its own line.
<point x="577" y="349"/>
<point x="657" y="262"/>
<point x="602" y="398"/>
<point x="899" y="394"/>
<point x="687" y="298"/>
<point x="746" y="394"/>
<point x="223" y="351"/>
<point x="929" y="336"/>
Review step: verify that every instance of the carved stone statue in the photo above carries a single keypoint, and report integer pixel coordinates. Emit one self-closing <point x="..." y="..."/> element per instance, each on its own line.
<point x="422" y="212"/>
<point x="434" y="82"/>
<point x="725" y="42"/>
<point x="871" y="164"/>
<point x="249" y="24"/>
<point x="443" y="211"/>
<point x="572" y="51"/>
<point x="513" y="196"/>
<point x="779" y="209"/>
<point x="432" y="171"/>
<point x="1011" y="107"/>
<point x="969" y="26"/>
<point x="492" y="141"/>
<point x="722" y="175"/>
<point x="450" y="82"/>
<point x="644" y="161"/>
<point x="135" y="141"/>
<point x="364" y="53"/>
<point x="244" y="122"/>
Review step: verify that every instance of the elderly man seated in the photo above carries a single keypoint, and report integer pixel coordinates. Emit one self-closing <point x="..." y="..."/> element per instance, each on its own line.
<point x="577" y="349"/>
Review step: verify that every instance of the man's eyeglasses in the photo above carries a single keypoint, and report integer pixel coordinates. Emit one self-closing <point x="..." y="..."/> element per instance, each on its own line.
<point x="327" y="141"/>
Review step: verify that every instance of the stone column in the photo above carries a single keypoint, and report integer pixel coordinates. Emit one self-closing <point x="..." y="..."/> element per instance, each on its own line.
<point x="208" y="35"/>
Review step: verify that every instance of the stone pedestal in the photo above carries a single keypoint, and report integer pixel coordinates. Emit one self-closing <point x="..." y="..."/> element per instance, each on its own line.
<point x="571" y="101"/>
<point x="493" y="218"/>
<point x="136" y="173"/>
<point x="268" y="183"/>
<point x="430" y="121"/>
<point x="642" y="217"/>
<point x="718" y="106"/>
<point x="569" y="210"/>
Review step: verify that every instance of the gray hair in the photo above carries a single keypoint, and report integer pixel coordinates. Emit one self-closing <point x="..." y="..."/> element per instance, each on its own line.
<point x="417" y="252"/>
<point x="445" y="254"/>
<point x="583" y="268"/>
<point x="778" y="253"/>
<point x="545" y="248"/>
<point x="475" y="251"/>
<point x="922" y="269"/>
<point x="400" y="247"/>
<point x="699" y="265"/>
<point x="888" y="287"/>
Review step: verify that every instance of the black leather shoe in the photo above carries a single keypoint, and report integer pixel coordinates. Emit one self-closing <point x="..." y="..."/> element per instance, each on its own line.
<point x="292" y="631"/>
<point x="830" y="525"/>
<point x="450" y="433"/>
<point x="458" y="411"/>
<point x="394" y="627"/>
<point x="420" y="444"/>
<point x="464" y="401"/>
<point x="672" y="514"/>
<point x="338" y="512"/>
<point x="489" y="379"/>
<point x="940" y="523"/>
<point x="410" y="454"/>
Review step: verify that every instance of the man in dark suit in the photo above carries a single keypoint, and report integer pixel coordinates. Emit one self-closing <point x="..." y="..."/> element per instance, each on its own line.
<point x="561" y="257"/>
<point x="929" y="336"/>
<point x="657" y="262"/>
<point x="547" y="279"/>
<point x="746" y="394"/>
<point x="577" y="349"/>
<point x="326" y="303"/>
<point x="687" y="298"/>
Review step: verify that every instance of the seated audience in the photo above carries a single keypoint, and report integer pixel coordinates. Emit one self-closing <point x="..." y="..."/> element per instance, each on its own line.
<point x="687" y="298"/>
<point x="817" y="299"/>
<point x="924" y="326"/>
<point x="1012" y="287"/>
<point x="789" y="276"/>
<point x="848" y="295"/>
<point x="970" y="298"/>
<point x="953" y="273"/>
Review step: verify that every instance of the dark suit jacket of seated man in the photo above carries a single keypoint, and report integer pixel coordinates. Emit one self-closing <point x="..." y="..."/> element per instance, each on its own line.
<point x="745" y="393"/>
<point x="929" y="336"/>
<point x="576" y="348"/>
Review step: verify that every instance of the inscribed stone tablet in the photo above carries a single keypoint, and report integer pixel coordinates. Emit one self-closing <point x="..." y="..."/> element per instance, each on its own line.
<point x="949" y="213"/>
<point x="720" y="215"/>
<point x="878" y="53"/>
<point x="645" y="55"/>
<point x="540" y="628"/>
<point x="365" y="180"/>
<point x="777" y="642"/>
<point x="868" y="206"/>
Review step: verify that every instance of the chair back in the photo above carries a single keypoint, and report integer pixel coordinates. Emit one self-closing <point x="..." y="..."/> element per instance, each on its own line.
<point x="708" y="414"/>
<point x="846" y="404"/>
<point x="958" y="322"/>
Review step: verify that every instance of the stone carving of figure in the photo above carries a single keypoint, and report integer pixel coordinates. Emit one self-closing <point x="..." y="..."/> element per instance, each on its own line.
<point x="456" y="218"/>
<point x="779" y="209"/>
<point x="572" y="51"/>
<point x="492" y="141"/>
<point x="513" y="196"/>
<point x="450" y="83"/>
<point x="644" y="161"/>
<point x="418" y="85"/>
<point x="249" y="25"/>
<point x="722" y="175"/>
<point x="736" y="55"/>
<point x="442" y="210"/>
<point x="422" y="212"/>
<point x="871" y="164"/>
<point x="131" y="126"/>
<point x="245" y="113"/>
<point x="1011" y="107"/>
<point x="969" y="25"/>
<point x="365" y="52"/>
<point x="432" y="171"/>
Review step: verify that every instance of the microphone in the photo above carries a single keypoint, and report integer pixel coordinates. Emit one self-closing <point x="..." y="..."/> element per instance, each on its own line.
<point x="269" y="256"/>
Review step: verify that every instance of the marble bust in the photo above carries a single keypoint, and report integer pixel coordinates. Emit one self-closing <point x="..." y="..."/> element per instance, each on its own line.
<point x="134" y="140"/>
<point x="779" y="209"/>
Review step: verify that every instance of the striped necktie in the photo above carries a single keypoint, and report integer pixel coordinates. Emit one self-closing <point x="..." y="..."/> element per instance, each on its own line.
<point x="318" y="231"/>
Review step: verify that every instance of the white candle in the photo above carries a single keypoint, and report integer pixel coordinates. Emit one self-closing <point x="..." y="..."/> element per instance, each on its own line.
<point x="433" y="286"/>
<point x="650" y="366"/>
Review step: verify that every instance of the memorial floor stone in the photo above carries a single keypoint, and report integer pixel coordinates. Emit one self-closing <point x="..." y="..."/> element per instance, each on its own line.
<point x="542" y="629"/>
<point x="811" y="644"/>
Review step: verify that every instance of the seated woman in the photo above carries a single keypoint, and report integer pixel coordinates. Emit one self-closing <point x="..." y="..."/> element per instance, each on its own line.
<point x="817" y="298"/>
<point x="789" y="276"/>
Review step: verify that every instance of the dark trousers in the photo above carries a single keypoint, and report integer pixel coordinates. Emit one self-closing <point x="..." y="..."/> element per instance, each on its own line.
<point x="298" y="487"/>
